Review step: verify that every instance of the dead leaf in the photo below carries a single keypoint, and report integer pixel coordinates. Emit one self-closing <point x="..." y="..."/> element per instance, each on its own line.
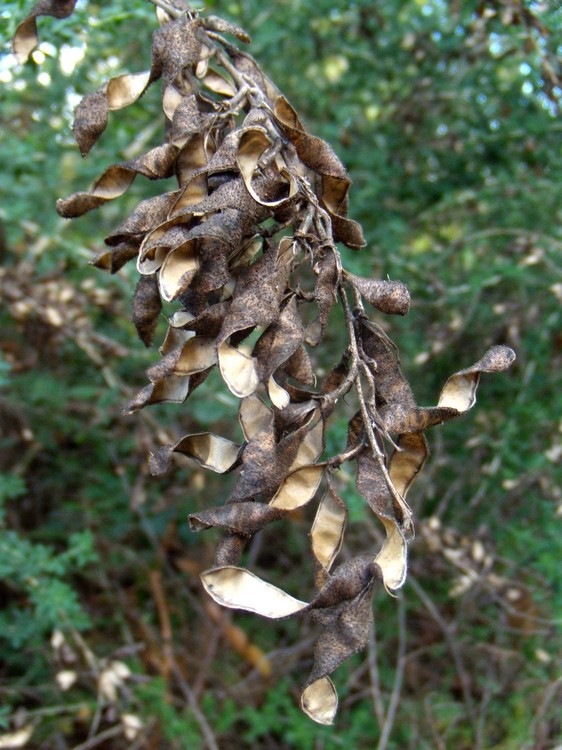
<point x="280" y="340"/>
<point x="391" y="386"/>
<point x="267" y="460"/>
<point x="146" y="216"/>
<point x="249" y="68"/>
<point x="392" y="558"/>
<point x="278" y="395"/>
<point x="371" y="482"/>
<point x="299" y="366"/>
<point x="312" y="445"/>
<point x="257" y="295"/>
<point x="173" y="390"/>
<point x="321" y="158"/>
<point x="407" y="462"/>
<point x="194" y="355"/>
<point x="175" y="46"/>
<point x="113" y="260"/>
<point x="346" y="624"/>
<point x="218" y="83"/>
<point x="178" y="267"/>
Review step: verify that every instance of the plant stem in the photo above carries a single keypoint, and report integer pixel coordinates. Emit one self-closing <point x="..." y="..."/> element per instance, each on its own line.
<point x="397" y="687"/>
<point x="167" y="8"/>
<point x="367" y="421"/>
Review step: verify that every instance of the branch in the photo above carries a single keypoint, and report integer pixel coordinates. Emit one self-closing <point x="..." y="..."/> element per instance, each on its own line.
<point x="374" y="675"/>
<point x="168" y="8"/>
<point x="367" y="420"/>
<point x="399" y="677"/>
<point x="453" y="647"/>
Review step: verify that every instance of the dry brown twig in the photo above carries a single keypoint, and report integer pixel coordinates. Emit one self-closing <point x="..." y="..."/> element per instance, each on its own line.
<point x="390" y="714"/>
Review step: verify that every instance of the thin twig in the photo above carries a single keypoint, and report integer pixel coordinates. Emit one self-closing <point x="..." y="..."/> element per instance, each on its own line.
<point x="367" y="422"/>
<point x="356" y="296"/>
<point x="167" y="8"/>
<point x="212" y="646"/>
<point x="344" y="456"/>
<point x="480" y="726"/>
<point x="451" y="643"/>
<point x="343" y="388"/>
<point x="549" y="695"/>
<point x="242" y="81"/>
<point x="374" y="675"/>
<point x="155" y="580"/>
<point x="88" y="654"/>
<point x="438" y="740"/>
<point x="194" y="705"/>
<point x="185" y="689"/>
<point x="55" y="710"/>
<point x="399" y="676"/>
<point x="99" y="738"/>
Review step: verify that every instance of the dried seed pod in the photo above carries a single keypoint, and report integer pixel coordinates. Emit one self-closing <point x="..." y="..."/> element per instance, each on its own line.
<point x="257" y="198"/>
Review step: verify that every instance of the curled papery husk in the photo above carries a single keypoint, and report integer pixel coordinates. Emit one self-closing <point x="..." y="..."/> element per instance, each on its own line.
<point x="319" y="700"/>
<point x="25" y="39"/>
<point x="459" y="392"/>
<point x="237" y="588"/>
<point x="238" y="370"/>
<point x="244" y="518"/>
<point x="343" y="608"/>
<point x="115" y="258"/>
<point x="321" y="158"/>
<point x="115" y="181"/>
<point x="346" y="617"/>
<point x="210" y="451"/>
<point x="390" y="297"/>
<point x="254" y="416"/>
<point x="298" y="487"/>
<point x="147" y="307"/>
<point x="91" y="115"/>
<point x="176" y="47"/>
<point x="328" y="528"/>
<point x="219" y="24"/>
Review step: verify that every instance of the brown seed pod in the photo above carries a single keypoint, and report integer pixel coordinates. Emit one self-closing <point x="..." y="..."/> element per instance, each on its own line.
<point x="258" y="200"/>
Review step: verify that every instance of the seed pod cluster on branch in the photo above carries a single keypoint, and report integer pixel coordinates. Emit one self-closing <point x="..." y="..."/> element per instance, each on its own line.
<point x="260" y="203"/>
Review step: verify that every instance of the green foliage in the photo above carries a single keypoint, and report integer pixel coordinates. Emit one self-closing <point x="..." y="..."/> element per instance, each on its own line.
<point x="35" y="576"/>
<point x="11" y="487"/>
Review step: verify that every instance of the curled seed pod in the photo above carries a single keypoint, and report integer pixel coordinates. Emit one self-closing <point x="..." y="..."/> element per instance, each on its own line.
<point x="258" y="199"/>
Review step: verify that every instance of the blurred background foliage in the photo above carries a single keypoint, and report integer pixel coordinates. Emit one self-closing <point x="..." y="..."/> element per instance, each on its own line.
<point x="447" y="115"/>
